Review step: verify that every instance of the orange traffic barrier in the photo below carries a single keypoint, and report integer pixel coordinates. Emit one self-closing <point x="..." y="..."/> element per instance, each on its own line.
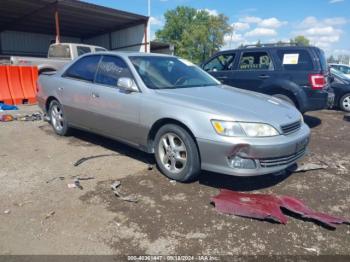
<point x="5" y="95"/>
<point x="18" y="84"/>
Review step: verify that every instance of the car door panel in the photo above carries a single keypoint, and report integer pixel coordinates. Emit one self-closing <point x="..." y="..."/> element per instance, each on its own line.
<point x="75" y="98"/>
<point x="221" y="67"/>
<point x="115" y="111"/>
<point x="253" y="71"/>
<point x="75" y="88"/>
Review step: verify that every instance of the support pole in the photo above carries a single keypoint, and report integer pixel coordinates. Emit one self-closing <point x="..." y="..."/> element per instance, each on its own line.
<point x="57" y="22"/>
<point x="146" y="40"/>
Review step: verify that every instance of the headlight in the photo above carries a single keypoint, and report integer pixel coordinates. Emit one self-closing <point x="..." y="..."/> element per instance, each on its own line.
<point x="226" y="128"/>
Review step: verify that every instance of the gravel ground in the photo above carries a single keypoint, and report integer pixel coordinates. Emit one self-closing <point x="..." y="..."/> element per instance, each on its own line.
<point x="39" y="214"/>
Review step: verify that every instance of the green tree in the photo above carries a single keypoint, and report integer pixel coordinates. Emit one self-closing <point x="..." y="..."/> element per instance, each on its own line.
<point x="300" y="40"/>
<point x="195" y="34"/>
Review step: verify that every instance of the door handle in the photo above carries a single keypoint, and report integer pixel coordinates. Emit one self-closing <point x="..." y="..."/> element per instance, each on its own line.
<point x="60" y="89"/>
<point x="95" y="95"/>
<point x="264" y="76"/>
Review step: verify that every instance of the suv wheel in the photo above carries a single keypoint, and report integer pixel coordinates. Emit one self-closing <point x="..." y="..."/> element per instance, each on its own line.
<point x="57" y="118"/>
<point x="176" y="153"/>
<point x="345" y="102"/>
<point x="285" y="98"/>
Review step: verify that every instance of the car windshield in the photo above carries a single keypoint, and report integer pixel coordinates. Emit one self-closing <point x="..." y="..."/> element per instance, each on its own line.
<point x="159" y="72"/>
<point x="339" y="74"/>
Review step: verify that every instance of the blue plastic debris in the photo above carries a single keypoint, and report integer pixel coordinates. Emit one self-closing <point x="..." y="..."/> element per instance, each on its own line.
<point x="7" y="107"/>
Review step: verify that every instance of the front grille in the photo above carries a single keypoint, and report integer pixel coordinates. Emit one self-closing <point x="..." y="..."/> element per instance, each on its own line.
<point x="281" y="161"/>
<point x="291" y="128"/>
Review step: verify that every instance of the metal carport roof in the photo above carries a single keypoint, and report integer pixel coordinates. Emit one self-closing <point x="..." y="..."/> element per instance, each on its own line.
<point x="77" y="18"/>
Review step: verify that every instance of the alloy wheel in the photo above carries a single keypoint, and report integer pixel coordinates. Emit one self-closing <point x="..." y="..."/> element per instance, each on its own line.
<point x="172" y="152"/>
<point x="57" y="118"/>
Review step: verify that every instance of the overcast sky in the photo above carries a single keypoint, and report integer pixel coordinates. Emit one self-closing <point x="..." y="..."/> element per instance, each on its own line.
<point x="325" y="22"/>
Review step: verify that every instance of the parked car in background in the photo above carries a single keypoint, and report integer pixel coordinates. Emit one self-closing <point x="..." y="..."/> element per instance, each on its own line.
<point x="341" y="86"/>
<point x="345" y="69"/>
<point x="172" y="108"/>
<point x="296" y="74"/>
<point x="58" y="55"/>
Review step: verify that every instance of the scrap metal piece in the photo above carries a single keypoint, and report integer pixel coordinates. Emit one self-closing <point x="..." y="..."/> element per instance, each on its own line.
<point x="77" y="184"/>
<point x="309" y="167"/>
<point x="54" y="178"/>
<point x="263" y="206"/>
<point x="115" y="185"/>
<point x="297" y="206"/>
<point x="6" y="118"/>
<point x="83" y="159"/>
<point x="249" y="205"/>
<point x="130" y="198"/>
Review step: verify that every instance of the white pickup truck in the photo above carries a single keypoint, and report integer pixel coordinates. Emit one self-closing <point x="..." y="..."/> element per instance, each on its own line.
<point x="58" y="55"/>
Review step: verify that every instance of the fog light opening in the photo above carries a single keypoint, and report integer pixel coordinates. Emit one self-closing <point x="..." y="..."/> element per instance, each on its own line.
<point x="241" y="163"/>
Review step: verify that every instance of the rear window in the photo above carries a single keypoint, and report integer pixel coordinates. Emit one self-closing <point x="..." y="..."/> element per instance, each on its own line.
<point x="83" y="50"/>
<point x="295" y="60"/>
<point x="322" y="59"/>
<point x="59" y="51"/>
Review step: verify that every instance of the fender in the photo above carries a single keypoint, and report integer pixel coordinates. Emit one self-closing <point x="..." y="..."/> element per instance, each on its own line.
<point x="286" y="87"/>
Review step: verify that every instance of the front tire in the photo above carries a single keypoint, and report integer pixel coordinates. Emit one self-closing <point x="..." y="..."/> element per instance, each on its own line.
<point x="176" y="153"/>
<point x="344" y="102"/>
<point x="57" y="118"/>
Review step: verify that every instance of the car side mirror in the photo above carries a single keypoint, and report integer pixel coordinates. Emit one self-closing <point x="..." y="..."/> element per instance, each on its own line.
<point x="331" y="79"/>
<point x="127" y="84"/>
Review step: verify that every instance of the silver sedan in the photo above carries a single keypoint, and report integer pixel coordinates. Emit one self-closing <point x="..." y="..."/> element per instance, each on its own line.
<point x="168" y="106"/>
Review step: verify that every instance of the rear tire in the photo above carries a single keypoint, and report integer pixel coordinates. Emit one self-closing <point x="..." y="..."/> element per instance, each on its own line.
<point x="57" y="118"/>
<point x="344" y="102"/>
<point x="176" y="153"/>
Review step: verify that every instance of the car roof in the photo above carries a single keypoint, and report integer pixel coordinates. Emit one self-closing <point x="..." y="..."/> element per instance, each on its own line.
<point x="264" y="48"/>
<point x="331" y="64"/>
<point x="131" y="53"/>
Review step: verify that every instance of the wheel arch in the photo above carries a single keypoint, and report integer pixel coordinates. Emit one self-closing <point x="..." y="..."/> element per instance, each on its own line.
<point x="164" y="121"/>
<point x="48" y="101"/>
<point x="274" y="90"/>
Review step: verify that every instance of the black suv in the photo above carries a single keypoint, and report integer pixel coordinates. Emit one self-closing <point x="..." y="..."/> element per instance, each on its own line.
<point x="297" y="74"/>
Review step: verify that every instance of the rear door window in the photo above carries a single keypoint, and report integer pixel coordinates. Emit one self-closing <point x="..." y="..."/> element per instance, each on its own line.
<point x="220" y="63"/>
<point x="255" y="61"/>
<point x="110" y="70"/>
<point x="295" y="60"/>
<point x="83" y="50"/>
<point x="84" y="69"/>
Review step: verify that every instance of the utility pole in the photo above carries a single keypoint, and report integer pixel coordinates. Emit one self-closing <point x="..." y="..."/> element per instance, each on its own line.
<point x="149" y="25"/>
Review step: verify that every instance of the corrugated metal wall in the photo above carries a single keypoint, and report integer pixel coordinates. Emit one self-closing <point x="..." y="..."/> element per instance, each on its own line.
<point x="129" y="39"/>
<point x="33" y="44"/>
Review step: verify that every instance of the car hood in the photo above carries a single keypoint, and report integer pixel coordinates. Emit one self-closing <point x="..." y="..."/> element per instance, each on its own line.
<point x="233" y="103"/>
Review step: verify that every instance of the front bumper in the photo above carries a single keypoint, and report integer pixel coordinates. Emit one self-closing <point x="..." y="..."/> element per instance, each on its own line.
<point x="271" y="154"/>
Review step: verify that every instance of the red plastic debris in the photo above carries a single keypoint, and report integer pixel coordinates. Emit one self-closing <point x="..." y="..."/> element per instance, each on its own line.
<point x="263" y="206"/>
<point x="6" y="118"/>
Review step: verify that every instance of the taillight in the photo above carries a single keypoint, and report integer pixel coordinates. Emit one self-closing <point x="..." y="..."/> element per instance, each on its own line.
<point x="317" y="81"/>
